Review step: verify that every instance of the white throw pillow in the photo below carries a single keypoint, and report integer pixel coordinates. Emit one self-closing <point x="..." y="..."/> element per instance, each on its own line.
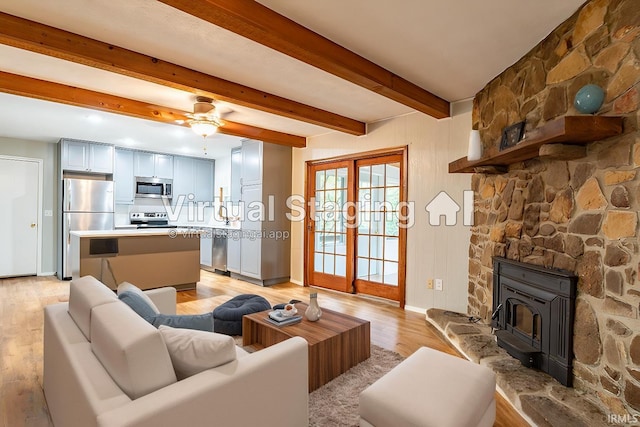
<point x="128" y="287"/>
<point x="194" y="351"/>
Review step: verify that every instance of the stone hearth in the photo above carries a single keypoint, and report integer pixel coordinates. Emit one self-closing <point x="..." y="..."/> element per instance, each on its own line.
<point x="535" y="394"/>
<point x="576" y="213"/>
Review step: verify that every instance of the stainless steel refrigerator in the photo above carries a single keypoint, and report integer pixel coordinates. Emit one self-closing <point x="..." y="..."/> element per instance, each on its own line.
<point x="86" y="205"/>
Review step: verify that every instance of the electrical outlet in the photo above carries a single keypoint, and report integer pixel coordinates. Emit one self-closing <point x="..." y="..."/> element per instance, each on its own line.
<point x="48" y="213"/>
<point x="429" y="283"/>
<point x="438" y="284"/>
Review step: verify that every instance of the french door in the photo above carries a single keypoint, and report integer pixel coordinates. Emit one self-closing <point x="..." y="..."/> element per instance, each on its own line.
<point x="330" y="227"/>
<point x="356" y="237"/>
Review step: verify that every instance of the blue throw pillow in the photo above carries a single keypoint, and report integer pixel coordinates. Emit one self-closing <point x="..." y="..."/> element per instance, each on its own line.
<point x="201" y="322"/>
<point x="138" y="304"/>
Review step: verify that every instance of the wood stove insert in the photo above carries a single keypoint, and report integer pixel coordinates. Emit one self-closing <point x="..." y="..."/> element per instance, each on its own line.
<point x="533" y="313"/>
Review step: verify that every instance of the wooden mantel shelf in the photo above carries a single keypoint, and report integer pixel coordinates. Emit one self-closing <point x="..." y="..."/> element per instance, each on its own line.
<point x="570" y="130"/>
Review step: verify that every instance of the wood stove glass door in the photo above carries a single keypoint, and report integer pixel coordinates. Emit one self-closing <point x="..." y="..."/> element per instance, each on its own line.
<point x="524" y="320"/>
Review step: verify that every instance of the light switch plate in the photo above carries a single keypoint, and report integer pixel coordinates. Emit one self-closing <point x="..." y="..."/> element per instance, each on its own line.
<point x="48" y="212"/>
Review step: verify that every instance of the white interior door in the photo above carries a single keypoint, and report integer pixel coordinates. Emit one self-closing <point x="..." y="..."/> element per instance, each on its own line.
<point x="19" y="186"/>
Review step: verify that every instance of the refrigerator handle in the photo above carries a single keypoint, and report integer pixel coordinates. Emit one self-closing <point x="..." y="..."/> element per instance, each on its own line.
<point x="68" y="230"/>
<point x="67" y="194"/>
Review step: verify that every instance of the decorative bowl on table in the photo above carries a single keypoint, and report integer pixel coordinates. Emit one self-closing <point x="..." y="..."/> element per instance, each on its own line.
<point x="289" y="310"/>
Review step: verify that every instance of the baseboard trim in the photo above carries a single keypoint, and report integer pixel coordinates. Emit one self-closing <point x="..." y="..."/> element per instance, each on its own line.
<point x="296" y="282"/>
<point x="47" y="273"/>
<point x="415" y="309"/>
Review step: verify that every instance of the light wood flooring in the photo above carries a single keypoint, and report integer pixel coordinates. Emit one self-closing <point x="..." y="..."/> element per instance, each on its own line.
<point x="22" y="401"/>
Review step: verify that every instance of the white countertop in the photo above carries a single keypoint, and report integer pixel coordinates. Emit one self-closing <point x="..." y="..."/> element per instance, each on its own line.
<point x="233" y="226"/>
<point x="137" y="232"/>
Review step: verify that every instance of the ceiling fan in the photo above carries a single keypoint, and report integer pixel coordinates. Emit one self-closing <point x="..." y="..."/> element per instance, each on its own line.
<point x="204" y="120"/>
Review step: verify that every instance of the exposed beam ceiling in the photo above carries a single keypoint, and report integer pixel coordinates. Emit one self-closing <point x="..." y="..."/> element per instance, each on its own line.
<point x="48" y="91"/>
<point x="252" y="20"/>
<point x="36" y="37"/>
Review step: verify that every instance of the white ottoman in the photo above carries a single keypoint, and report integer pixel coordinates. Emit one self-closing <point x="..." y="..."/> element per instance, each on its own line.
<point x="431" y="389"/>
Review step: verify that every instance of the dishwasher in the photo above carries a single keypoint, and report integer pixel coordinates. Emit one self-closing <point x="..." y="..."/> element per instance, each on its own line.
<point x="213" y="250"/>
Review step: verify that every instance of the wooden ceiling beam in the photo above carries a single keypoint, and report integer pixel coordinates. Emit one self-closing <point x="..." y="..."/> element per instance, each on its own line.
<point x="50" y="41"/>
<point x="254" y="21"/>
<point x="56" y="92"/>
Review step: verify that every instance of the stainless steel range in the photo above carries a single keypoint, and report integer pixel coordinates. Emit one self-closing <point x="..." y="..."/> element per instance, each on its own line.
<point x="150" y="220"/>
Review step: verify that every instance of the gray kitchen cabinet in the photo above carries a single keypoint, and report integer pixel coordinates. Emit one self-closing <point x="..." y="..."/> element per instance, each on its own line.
<point x="84" y="156"/>
<point x="251" y="246"/>
<point x="154" y="165"/>
<point x="183" y="182"/>
<point x="252" y="159"/>
<point x="233" y="251"/>
<point x="203" y="178"/>
<point x="206" y="248"/>
<point x="261" y="254"/>
<point x="123" y="177"/>
<point x="193" y="176"/>
<point x="236" y="174"/>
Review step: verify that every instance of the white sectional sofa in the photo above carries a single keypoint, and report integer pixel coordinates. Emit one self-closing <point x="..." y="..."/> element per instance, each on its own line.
<point x="106" y="366"/>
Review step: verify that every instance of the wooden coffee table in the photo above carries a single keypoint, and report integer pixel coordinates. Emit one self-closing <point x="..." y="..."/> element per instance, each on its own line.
<point x="337" y="342"/>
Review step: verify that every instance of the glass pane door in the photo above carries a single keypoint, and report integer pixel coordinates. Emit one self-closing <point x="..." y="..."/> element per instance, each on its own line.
<point x="330" y="248"/>
<point x="379" y="193"/>
<point x="355" y="241"/>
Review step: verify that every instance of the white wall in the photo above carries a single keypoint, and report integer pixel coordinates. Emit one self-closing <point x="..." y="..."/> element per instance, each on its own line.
<point x="47" y="152"/>
<point x="432" y="251"/>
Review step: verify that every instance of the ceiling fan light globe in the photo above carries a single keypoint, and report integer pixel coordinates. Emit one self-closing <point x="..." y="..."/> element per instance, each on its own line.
<point x="204" y="128"/>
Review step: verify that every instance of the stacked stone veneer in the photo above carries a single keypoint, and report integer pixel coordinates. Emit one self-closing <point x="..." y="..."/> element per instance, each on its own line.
<point x="579" y="215"/>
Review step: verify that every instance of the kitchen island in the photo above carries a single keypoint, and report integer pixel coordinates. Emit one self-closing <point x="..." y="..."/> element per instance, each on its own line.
<point x="148" y="258"/>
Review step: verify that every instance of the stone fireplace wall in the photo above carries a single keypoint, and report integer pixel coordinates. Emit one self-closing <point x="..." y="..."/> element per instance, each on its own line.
<point x="579" y="215"/>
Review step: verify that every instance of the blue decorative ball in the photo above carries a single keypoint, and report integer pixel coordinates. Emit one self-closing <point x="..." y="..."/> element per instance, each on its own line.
<point x="589" y="99"/>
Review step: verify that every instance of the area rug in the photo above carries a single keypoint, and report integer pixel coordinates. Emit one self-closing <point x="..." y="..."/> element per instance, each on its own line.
<point x="336" y="403"/>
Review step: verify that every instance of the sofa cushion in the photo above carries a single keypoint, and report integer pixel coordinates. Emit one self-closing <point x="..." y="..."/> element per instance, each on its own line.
<point x="129" y="287"/>
<point x="130" y="349"/>
<point x="84" y="294"/>
<point x="196" y="351"/>
<point x="203" y="322"/>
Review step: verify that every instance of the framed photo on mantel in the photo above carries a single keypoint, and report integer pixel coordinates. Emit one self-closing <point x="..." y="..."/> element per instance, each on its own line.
<point x="511" y="135"/>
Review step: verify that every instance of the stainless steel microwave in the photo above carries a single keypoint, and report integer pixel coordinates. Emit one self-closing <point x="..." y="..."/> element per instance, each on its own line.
<point x="154" y="188"/>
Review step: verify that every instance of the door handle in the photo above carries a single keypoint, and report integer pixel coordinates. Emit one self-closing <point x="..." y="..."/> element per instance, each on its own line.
<point x="33" y="225"/>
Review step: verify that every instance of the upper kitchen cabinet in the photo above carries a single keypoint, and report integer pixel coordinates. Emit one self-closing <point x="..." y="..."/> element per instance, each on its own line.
<point x="153" y="165"/>
<point x="236" y="174"/>
<point x="204" y="173"/>
<point x="193" y="176"/>
<point x="251" y="162"/>
<point x="123" y="177"/>
<point x="83" y="156"/>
